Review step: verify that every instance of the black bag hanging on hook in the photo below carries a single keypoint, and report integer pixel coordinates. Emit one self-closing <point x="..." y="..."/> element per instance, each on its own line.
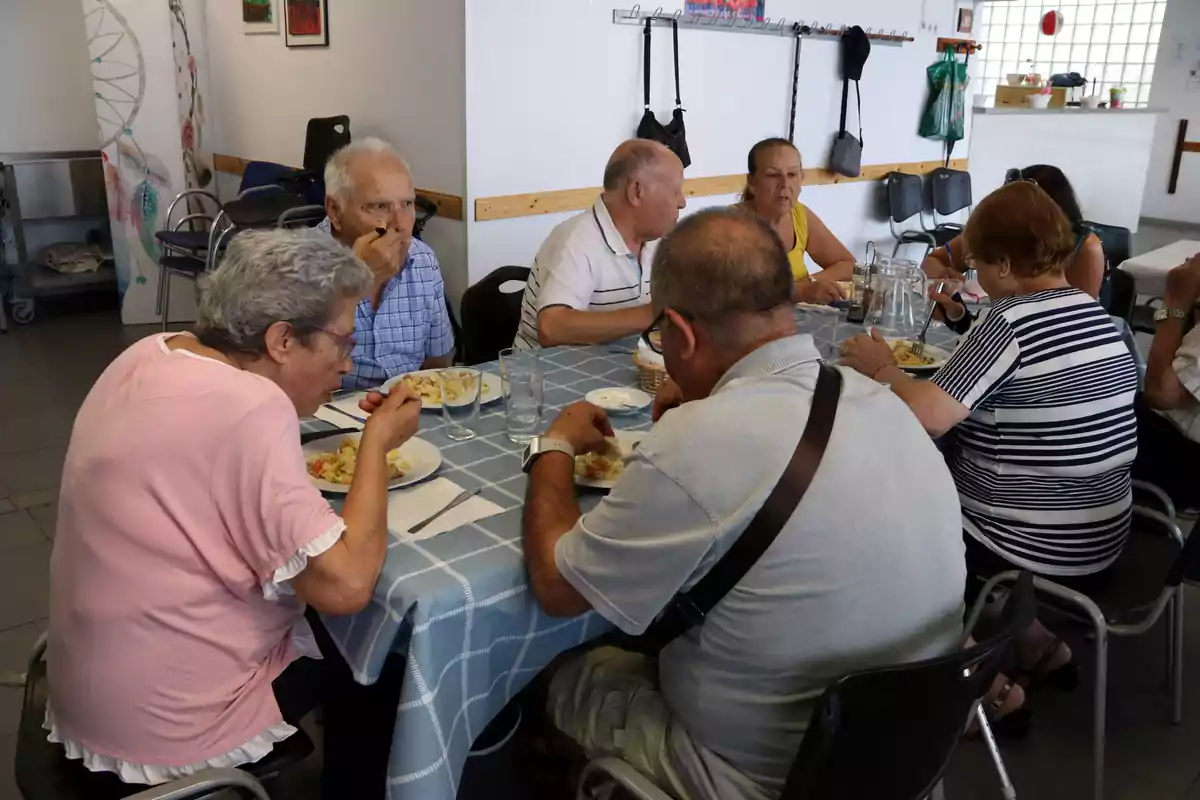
<point x="672" y="134"/>
<point x="846" y="158"/>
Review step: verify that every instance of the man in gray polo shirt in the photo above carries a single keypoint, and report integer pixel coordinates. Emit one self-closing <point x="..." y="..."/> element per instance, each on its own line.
<point x="868" y="571"/>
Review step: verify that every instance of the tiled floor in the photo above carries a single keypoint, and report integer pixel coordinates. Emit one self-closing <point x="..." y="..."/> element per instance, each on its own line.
<point x="47" y="368"/>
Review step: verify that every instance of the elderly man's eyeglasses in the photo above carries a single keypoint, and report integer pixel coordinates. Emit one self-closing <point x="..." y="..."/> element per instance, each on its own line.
<point x="652" y="336"/>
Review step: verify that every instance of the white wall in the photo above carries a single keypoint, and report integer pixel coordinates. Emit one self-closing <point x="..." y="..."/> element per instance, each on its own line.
<point x="554" y="87"/>
<point x="1178" y="56"/>
<point x="397" y="70"/>
<point x="45" y="80"/>
<point x="1103" y="153"/>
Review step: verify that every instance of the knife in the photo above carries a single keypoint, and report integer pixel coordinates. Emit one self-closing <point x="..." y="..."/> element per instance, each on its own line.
<point x="312" y="436"/>
<point x="463" y="497"/>
<point x="337" y="410"/>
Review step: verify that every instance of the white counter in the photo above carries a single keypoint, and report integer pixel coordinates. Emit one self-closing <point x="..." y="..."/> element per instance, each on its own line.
<point x="1104" y="152"/>
<point x="1068" y="111"/>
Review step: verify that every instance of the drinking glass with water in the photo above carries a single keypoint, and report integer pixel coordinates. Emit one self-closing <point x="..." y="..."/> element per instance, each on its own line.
<point x="524" y="387"/>
<point x="462" y="389"/>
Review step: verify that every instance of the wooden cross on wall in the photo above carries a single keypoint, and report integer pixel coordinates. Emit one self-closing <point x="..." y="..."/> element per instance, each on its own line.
<point x="1182" y="145"/>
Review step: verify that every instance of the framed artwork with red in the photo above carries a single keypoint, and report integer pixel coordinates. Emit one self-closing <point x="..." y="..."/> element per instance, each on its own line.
<point x="306" y="23"/>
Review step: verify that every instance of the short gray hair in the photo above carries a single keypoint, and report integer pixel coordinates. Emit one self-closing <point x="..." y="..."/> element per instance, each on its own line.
<point x="719" y="264"/>
<point x="629" y="158"/>
<point x="273" y="276"/>
<point x="337" y="169"/>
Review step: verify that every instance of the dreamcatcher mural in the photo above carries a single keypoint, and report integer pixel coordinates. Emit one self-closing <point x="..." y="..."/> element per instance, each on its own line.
<point x="140" y="137"/>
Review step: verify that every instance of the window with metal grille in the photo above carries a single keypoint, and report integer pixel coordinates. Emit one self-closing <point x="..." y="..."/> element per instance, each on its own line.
<point x="1114" y="42"/>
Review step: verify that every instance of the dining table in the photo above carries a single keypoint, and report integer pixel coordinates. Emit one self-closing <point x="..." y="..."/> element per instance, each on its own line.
<point x="457" y="607"/>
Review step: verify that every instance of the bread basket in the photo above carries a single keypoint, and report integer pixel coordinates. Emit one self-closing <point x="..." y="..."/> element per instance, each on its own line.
<point x="651" y="369"/>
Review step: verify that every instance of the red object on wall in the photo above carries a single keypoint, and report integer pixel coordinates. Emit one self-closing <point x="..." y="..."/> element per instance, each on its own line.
<point x="1052" y="22"/>
<point x="304" y="17"/>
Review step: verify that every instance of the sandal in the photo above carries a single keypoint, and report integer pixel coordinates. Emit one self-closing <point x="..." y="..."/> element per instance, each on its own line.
<point x="1009" y="725"/>
<point x="1064" y="678"/>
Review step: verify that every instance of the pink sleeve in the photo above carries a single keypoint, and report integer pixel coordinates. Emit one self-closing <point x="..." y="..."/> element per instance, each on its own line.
<point x="274" y="516"/>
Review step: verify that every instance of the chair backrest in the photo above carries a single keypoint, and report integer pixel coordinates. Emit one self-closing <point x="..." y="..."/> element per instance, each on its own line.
<point x="950" y="190"/>
<point x="1186" y="568"/>
<point x="1117" y="242"/>
<point x="889" y="733"/>
<point x="1122" y="294"/>
<point x="491" y="314"/>
<point x="904" y="195"/>
<point x="265" y="173"/>
<point x="426" y="210"/>
<point x="301" y="217"/>
<point x="324" y="137"/>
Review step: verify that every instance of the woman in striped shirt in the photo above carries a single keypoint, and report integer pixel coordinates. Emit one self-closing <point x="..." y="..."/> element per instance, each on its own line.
<point x="1040" y="394"/>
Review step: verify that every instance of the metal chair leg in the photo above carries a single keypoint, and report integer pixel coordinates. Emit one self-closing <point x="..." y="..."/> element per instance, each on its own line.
<point x="158" y="300"/>
<point x="1169" y="626"/>
<point x="166" y="304"/>
<point x="985" y="728"/>
<point x="896" y="249"/>
<point x="1177" y="657"/>
<point x="1099" y="709"/>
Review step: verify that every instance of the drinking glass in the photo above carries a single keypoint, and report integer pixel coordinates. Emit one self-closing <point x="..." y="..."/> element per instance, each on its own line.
<point x="524" y="387"/>
<point x="462" y="389"/>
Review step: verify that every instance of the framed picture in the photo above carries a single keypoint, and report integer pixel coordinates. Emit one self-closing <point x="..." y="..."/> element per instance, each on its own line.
<point x="260" y="16"/>
<point x="966" y="19"/>
<point x="751" y="10"/>
<point x="306" y="23"/>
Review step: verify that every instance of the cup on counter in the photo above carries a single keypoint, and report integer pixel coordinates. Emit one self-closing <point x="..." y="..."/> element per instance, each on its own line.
<point x="524" y="387"/>
<point x="1116" y="97"/>
<point x="462" y="389"/>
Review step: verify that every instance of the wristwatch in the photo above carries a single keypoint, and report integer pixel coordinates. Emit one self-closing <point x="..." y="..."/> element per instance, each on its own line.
<point x="541" y="445"/>
<point x="1170" y="313"/>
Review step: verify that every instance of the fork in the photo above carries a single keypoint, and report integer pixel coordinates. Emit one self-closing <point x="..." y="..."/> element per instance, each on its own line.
<point x="918" y="347"/>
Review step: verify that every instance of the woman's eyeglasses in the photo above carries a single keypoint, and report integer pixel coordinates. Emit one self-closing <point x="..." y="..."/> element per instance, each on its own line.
<point x="345" y="343"/>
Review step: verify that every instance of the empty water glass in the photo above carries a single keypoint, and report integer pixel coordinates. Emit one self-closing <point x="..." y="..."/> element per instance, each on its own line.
<point x="462" y="389"/>
<point x="524" y="389"/>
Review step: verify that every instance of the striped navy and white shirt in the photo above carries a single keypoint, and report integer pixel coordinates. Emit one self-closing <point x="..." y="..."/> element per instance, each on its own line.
<point x="584" y="264"/>
<point x="1043" y="461"/>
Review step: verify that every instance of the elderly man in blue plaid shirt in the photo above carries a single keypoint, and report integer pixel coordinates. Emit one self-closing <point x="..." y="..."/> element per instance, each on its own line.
<point x="403" y="324"/>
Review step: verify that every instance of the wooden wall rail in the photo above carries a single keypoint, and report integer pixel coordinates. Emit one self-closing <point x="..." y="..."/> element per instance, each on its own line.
<point x="555" y="202"/>
<point x="450" y="206"/>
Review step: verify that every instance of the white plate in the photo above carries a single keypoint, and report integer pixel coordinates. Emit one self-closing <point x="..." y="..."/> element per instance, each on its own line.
<point x="423" y="460"/>
<point x="616" y="400"/>
<point x="626" y="439"/>
<point x="938" y="355"/>
<point x="492" y="390"/>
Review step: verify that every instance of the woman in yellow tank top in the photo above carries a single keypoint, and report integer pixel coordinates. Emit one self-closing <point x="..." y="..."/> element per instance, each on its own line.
<point x="773" y="180"/>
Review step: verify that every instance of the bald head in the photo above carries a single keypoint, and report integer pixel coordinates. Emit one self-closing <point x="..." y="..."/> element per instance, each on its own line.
<point x="631" y="158"/>
<point x="719" y="265"/>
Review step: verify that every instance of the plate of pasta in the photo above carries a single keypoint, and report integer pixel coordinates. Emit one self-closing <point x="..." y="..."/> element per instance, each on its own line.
<point x="932" y="359"/>
<point x="601" y="470"/>
<point x="331" y="462"/>
<point x="426" y="385"/>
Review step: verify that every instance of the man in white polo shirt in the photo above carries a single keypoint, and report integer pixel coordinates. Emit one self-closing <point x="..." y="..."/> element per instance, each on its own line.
<point x="590" y="282"/>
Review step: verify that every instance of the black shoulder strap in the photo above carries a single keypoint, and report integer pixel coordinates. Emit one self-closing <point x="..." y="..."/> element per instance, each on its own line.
<point x="689" y="608"/>
<point x="675" y="39"/>
<point x="858" y="94"/>
<point x="845" y="102"/>
<point x="795" y="85"/>
<point x="646" y="63"/>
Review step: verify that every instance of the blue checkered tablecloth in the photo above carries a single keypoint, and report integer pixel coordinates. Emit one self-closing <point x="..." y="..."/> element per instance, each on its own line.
<point x="458" y="605"/>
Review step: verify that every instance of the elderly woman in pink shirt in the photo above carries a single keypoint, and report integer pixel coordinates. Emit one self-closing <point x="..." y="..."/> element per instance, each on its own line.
<point x="189" y="536"/>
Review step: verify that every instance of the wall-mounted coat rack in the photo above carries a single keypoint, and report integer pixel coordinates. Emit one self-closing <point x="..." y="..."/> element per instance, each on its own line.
<point x="968" y="46"/>
<point x="767" y="27"/>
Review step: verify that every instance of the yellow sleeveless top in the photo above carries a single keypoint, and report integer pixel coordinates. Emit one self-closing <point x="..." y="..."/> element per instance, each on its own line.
<point x="796" y="255"/>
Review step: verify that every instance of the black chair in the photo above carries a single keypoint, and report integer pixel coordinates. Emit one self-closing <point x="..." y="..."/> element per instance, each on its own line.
<point x="905" y="198"/>
<point x="884" y="734"/>
<point x="426" y="210"/>
<point x="491" y="315"/>
<point x="950" y="190"/>
<point x="44" y="772"/>
<point x="1119" y="295"/>
<point x="324" y="137"/>
<point x="1146" y="581"/>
